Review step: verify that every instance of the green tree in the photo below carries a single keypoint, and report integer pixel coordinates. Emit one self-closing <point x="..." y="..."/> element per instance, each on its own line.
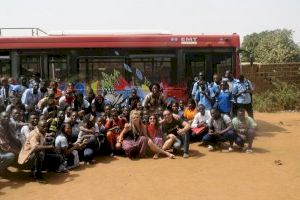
<point x="275" y="46"/>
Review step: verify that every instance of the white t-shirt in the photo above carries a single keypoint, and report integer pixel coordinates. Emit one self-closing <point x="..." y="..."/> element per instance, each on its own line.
<point x="201" y="118"/>
<point x="61" y="141"/>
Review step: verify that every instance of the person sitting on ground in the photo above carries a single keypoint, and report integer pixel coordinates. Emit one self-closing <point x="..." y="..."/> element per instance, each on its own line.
<point x="244" y="127"/>
<point x="49" y="105"/>
<point x="75" y="124"/>
<point x="134" y="139"/>
<point x="133" y="99"/>
<point x="125" y="113"/>
<point x="114" y="126"/>
<point x="88" y="135"/>
<point x="100" y="102"/>
<point x="67" y="99"/>
<point x="15" y="120"/>
<point x="67" y="148"/>
<point x="90" y="95"/>
<point x="220" y="130"/>
<point x="107" y="111"/>
<point x="155" y="132"/>
<point x="33" y="151"/>
<point x="25" y="130"/>
<point x="10" y="146"/>
<point x="14" y="103"/>
<point x="190" y="112"/>
<point x="145" y="116"/>
<point x="56" y="123"/>
<point x="155" y="98"/>
<point x="199" y="125"/>
<point x="80" y="103"/>
<point x="176" y="132"/>
<point x="54" y="87"/>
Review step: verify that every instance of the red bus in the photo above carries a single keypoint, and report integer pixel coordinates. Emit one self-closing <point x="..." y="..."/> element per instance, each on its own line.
<point x="121" y="61"/>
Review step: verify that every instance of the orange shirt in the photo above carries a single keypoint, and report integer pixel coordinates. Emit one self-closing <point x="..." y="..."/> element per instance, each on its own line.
<point x="189" y="114"/>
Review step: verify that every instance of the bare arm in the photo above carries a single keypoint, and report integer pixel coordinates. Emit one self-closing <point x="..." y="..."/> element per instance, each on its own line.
<point x="123" y="132"/>
<point x="185" y="129"/>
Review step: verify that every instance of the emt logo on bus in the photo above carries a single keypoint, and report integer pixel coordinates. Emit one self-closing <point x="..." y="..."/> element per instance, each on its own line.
<point x="188" y="40"/>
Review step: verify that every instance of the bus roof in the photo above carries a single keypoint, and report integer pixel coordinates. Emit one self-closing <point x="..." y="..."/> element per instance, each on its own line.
<point x="130" y="40"/>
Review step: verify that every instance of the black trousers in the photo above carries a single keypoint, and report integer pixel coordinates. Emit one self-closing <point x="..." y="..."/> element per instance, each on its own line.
<point x="248" y="107"/>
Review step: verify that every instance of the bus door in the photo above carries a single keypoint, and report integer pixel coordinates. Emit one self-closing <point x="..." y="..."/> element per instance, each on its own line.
<point x="194" y="63"/>
<point x="221" y="61"/>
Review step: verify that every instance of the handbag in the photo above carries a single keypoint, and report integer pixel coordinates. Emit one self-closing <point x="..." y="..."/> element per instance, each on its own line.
<point x="199" y="130"/>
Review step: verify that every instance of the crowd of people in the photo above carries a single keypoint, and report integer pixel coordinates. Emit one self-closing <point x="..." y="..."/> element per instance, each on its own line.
<point x="44" y="128"/>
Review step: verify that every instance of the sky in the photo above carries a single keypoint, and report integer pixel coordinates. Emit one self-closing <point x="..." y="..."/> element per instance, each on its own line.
<point x="175" y="16"/>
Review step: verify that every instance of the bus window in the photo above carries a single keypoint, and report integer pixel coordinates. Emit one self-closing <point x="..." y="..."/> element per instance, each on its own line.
<point x="92" y="68"/>
<point x="58" y="68"/>
<point x="30" y="65"/>
<point x="5" y="66"/>
<point x="155" y="69"/>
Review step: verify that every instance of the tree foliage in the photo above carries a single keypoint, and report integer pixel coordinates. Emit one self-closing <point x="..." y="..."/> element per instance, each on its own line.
<point x="275" y="46"/>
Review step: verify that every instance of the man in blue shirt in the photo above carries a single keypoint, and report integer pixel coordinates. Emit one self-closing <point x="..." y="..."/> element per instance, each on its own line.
<point x="224" y="99"/>
<point x="204" y="95"/>
<point x="31" y="97"/>
<point x="197" y="83"/>
<point x="242" y="91"/>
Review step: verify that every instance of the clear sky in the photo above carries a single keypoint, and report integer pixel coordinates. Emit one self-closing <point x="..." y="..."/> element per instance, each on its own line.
<point x="176" y="16"/>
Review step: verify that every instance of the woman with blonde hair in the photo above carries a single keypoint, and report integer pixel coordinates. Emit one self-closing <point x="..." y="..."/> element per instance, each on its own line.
<point x="134" y="139"/>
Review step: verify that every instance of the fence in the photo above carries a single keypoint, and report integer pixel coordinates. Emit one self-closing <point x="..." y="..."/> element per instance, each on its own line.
<point x="262" y="75"/>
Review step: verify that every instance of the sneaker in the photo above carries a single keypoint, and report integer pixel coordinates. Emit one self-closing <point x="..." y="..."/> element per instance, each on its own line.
<point x="230" y="149"/>
<point x="186" y="155"/>
<point x="249" y="151"/>
<point x="210" y="148"/>
<point x="62" y="167"/>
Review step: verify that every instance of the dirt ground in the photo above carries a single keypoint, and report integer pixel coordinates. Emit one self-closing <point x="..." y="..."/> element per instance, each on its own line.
<point x="205" y="175"/>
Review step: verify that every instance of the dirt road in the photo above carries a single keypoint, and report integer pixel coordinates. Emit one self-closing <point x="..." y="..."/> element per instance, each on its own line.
<point x="205" y="175"/>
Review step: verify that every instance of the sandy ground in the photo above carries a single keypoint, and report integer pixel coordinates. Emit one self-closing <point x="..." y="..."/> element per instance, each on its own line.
<point x="205" y="175"/>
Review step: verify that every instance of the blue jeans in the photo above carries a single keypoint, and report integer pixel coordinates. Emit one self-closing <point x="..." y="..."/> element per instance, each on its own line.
<point x="215" y="139"/>
<point x="184" y="141"/>
<point x="6" y="159"/>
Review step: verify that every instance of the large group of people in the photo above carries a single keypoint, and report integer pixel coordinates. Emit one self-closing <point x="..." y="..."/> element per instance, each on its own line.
<point x="42" y="127"/>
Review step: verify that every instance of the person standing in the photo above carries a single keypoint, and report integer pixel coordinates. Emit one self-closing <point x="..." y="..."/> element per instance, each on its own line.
<point x="242" y="91"/>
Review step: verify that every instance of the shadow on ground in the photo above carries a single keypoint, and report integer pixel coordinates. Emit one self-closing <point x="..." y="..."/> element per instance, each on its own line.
<point x="267" y="129"/>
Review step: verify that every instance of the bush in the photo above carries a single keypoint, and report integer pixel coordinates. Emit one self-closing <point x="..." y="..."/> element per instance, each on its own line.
<point x="283" y="96"/>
